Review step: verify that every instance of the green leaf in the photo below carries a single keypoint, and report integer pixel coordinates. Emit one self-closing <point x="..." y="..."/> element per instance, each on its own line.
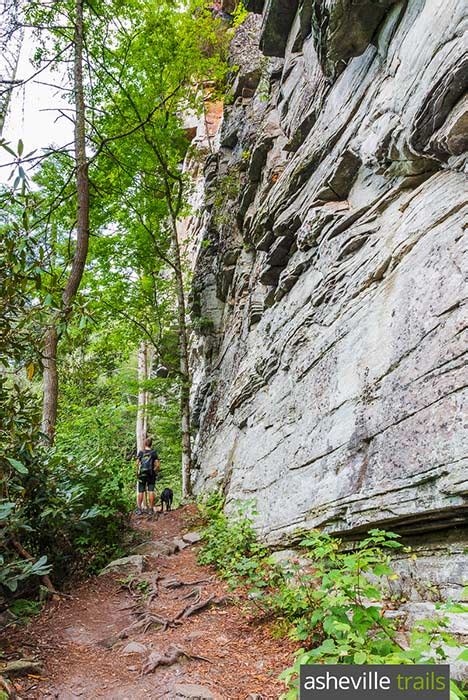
<point x="20" y="148"/>
<point x="360" y="657"/>
<point x="19" y="466"/>
<point x="4" y="145"/>
<point x="6" y="509"/>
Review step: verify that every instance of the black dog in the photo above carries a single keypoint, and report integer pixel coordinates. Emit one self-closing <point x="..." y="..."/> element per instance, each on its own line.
<point x="166" y="498"/>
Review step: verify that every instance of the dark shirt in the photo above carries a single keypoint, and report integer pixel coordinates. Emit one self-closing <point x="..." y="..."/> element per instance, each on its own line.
<point x="152" y="453"/>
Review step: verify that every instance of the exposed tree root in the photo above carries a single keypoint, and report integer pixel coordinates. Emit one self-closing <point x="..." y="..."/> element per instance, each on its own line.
<point x="200" y="605"/>
<point x="144" y="624"/>
<point x="21" y="667"/>
<point x="169" y="657"/>
<point x="195" y="593"/>
<point x="154" y="591"/>
<point x="175" y="583"/>
<point x="146" y="621"/>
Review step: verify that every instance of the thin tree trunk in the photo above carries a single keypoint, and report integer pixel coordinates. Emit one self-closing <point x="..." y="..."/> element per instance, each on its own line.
<point x="81" y="162"/>
<point x="50" y="381"/>
<point x="145" y="364"/>
<point x="141" y="421"/>
<point x="184" y="366"/>
<point x="11" y="41"/>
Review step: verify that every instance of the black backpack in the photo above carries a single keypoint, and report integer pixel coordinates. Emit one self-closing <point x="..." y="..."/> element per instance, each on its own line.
<point x="146" y="463"/>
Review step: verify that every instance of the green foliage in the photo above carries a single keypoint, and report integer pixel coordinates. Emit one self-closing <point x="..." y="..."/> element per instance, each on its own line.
<point x="202" y="324"/>
<point x="335" y="606"/>
<point x="52" y="504"/>
<point x="230" y="543"/>
<point x="342" y="611"/>
<point x="228" y="189"/>
<point x="25" y="609"/>
<point x="146" y="64"/>
<point x="240" y="15"/>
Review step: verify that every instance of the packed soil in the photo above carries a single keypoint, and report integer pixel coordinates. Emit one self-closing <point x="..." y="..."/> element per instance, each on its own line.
<point x="82" y="649"/>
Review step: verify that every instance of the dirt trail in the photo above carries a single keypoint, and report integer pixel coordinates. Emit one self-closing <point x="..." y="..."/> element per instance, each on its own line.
<point x="77" y="638"/>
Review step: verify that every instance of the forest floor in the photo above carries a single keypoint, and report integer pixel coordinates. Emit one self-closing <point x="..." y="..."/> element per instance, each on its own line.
<point x="83" y="651"/>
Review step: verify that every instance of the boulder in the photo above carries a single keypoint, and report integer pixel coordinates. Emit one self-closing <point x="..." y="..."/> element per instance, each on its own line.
<point x="134" y="648"/>
<point x="190" y="691"/>
<point x="133" y="564"/>
<point x="192" y="537"/>
<point x="156" y="548"/>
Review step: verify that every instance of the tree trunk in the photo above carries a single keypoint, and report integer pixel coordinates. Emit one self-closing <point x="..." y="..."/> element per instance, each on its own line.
<point x="184" y="367"/>
<point x="11" y="41"/>
<point x="145" y="364"/>
<point x="50" y="384"/>
<point x="81" y="162"/>
<point x="142" y="418"/>
<point x="50" y="402"/>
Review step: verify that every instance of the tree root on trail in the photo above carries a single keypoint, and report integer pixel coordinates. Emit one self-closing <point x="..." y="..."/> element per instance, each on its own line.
<point x="175" y="583"/>
<point x="142" y="625"/>
<point x="195" y="593"/>
<point x="196" y="607"/>
<point x="133" y="587"/>
<point x="21" y="667"/>
<point x="169" y="657"/>
<point x="154" y="591"/>
<point x="148" y="619"/>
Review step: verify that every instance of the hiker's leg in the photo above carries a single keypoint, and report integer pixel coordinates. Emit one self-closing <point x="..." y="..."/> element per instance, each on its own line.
<point x="151" y="496"/>
<point x="140" y="494"/>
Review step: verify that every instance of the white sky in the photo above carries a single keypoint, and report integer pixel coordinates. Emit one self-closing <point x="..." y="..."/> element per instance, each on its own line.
<point x="27" y="118"/>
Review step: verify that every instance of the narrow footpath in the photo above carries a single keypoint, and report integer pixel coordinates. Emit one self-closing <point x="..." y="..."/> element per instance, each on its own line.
<point x="159" y="626"/>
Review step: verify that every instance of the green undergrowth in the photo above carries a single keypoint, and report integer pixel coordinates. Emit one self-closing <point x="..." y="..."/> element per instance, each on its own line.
<point x="336" y="601"/>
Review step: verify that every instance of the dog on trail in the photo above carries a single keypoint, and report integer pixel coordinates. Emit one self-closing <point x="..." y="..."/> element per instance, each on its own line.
<point x="166" y="498"/>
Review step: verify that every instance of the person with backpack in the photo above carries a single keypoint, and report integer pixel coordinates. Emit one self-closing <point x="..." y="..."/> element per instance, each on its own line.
<point x="147" y="471"/>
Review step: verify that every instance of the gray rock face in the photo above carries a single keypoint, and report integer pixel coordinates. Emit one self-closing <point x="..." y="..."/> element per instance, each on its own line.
<point x="330" y="384"/>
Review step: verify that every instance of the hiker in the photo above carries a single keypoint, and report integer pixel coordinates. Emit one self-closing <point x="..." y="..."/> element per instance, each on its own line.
<point x="216" y="10"/>
<point x="148" y="466"/>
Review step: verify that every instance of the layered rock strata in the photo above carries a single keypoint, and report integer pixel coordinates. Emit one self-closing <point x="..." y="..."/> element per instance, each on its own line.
<point x="329" y="284"/>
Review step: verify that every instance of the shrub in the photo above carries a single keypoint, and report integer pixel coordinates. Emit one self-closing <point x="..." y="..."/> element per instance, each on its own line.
<point x="335" y="606"/>
<point x="230" y="544"/>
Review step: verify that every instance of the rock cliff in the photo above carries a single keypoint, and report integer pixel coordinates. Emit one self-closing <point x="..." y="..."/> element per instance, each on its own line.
<point x="328" y="287"/>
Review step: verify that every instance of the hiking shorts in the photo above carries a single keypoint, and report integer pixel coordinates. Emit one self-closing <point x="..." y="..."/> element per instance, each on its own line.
<point x="146" y="482"/>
